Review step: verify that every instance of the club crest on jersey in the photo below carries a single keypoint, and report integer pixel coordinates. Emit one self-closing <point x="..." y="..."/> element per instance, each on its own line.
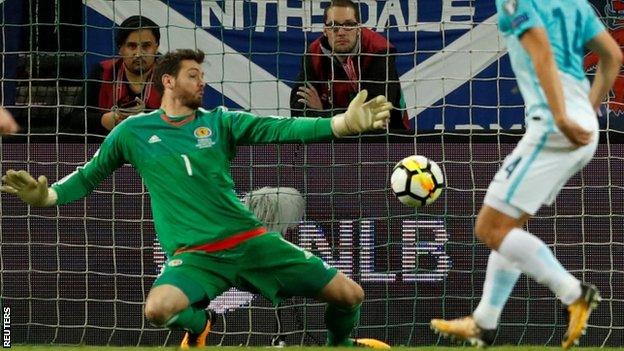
<point x="174" y="263"/>
<point x="203" y="135"/>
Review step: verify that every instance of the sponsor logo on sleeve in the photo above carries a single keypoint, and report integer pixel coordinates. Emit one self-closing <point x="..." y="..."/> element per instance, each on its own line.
<point x="517" y="21"/>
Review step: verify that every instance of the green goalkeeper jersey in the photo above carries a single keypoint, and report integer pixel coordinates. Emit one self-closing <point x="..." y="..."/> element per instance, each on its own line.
<point x="185" y="165"/>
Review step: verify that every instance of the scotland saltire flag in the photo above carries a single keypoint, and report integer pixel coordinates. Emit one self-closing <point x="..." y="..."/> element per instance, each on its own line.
<point x="450" y="57"/>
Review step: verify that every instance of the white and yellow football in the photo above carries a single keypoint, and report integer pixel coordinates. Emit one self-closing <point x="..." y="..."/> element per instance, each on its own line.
<point x="417" y="181"/>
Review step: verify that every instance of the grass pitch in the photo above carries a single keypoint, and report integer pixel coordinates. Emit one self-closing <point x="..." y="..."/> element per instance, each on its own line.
<point x="232" y="348"/>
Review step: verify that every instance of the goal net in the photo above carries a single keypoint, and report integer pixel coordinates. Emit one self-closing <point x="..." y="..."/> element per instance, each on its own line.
<point x="80" y="273"/>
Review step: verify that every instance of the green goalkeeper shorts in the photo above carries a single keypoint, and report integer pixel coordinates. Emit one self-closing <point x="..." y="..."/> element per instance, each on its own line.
<point x="267" y="264"/>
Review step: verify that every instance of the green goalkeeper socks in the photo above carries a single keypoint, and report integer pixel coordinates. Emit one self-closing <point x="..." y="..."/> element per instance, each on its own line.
<point x="340" y="323"/>
<point x="191" y="319"/>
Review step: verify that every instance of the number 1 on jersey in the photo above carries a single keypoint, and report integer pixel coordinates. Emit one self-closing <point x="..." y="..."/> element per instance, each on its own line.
<point x="187" y="163"/>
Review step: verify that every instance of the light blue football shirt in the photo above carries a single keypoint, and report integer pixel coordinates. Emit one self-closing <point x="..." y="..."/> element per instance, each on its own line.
<point x="570" y="24"/>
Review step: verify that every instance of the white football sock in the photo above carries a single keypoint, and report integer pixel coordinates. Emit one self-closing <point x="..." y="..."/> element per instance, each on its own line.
<point x="534" y="258"/>
<point x="500" y="278"/>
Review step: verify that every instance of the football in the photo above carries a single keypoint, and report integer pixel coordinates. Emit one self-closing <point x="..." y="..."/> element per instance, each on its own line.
<point x="417" y="181"/>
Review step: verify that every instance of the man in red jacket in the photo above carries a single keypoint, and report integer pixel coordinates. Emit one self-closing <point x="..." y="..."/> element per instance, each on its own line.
<point x="122" y="86"/>
<point x="344" y="60"/>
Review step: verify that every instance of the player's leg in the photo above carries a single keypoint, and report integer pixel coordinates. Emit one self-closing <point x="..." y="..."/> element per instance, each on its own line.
<point x="536" y="179"/>
<point x="344" y="299"/>
<point x="531" y="176"/>
<point x="479" y="329"/>
<point x="167" y="305"/>
<point x="279" y="269"/>
<point x="501" y="274"/>
<point x="531" y="255"/>
<point x="163" y="302"/>
<point x="500" y="278"/>
<point x="527" y="252"/>
<point x="180" y="295"/>
<point x="519" y="250"/>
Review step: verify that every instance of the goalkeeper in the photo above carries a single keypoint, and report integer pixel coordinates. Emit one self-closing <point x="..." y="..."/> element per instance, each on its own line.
<point x="212" y="241"/>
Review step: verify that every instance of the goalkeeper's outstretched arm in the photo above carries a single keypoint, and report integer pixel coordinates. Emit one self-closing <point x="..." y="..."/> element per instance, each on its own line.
<point x="75" y="185"/>
<point x="361" y="116"/>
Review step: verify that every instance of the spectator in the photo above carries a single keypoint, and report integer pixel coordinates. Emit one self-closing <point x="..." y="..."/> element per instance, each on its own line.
<point x="343" y="61"/>
<point x="7" y="123"/>
<point x="122" y="86"/>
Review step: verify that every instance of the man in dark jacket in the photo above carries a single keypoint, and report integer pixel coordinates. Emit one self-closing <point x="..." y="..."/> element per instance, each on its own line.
<point x="344" y="60"/>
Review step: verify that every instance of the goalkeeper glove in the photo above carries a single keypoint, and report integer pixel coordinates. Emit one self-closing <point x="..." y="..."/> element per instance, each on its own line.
<point x="361" y="117"/>
<point x="31" y="191"/>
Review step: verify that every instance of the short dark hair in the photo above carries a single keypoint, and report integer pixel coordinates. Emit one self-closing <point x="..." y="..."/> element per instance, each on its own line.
<point x="169" y="64"/>
<point x="136" y="23"/>
<point x="342" y="3"/>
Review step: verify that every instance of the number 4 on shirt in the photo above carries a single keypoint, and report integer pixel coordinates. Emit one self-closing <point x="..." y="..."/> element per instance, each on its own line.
<point x="512" y="166"/>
